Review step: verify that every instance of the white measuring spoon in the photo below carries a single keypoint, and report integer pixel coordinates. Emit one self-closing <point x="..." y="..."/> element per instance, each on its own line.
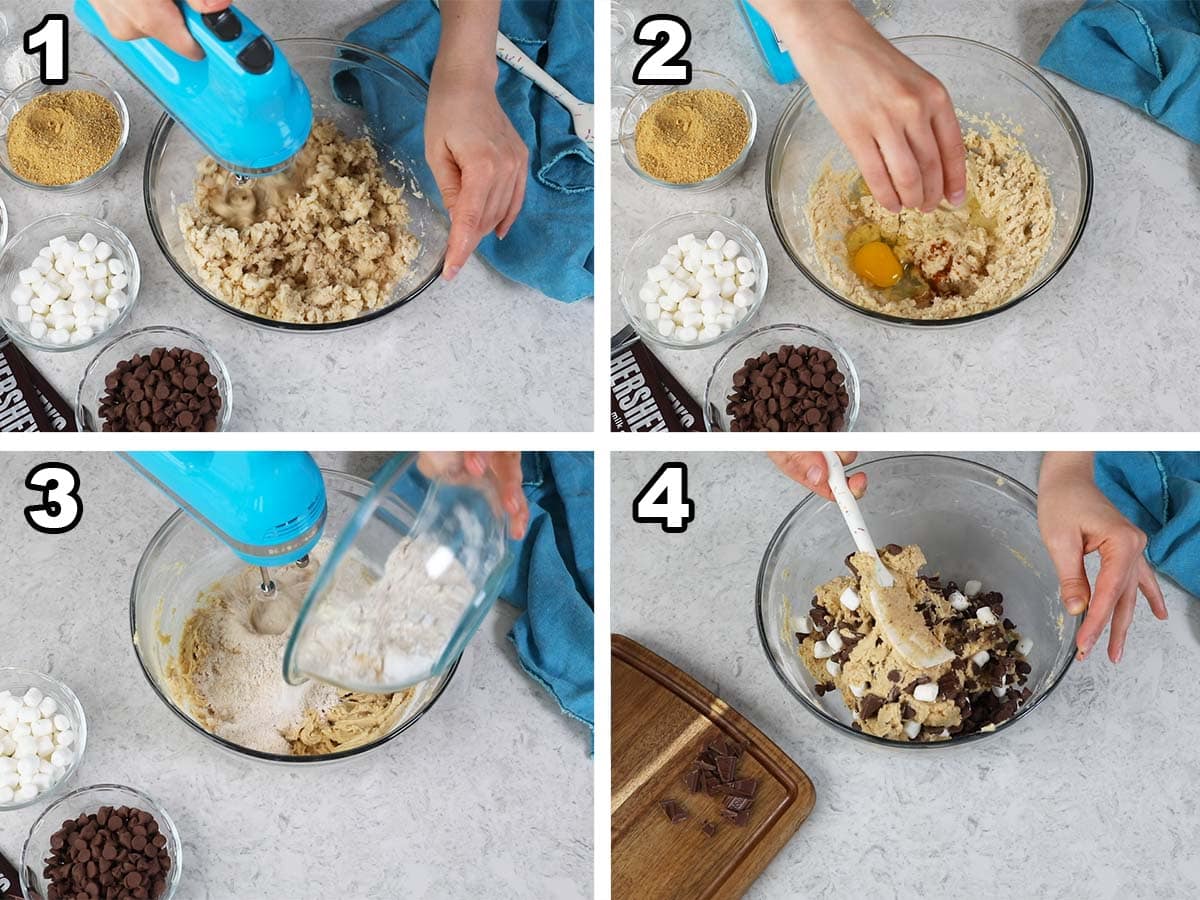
<point x="582" y="114"/>
<point x="899" y="621"/>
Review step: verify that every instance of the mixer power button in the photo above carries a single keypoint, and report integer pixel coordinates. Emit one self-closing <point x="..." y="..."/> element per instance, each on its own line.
<point x="258" y="57"/>
<point x="225" y="25"/>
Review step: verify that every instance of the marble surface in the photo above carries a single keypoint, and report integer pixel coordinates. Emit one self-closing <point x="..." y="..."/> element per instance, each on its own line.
<point x="1092" y="795"/>
<point x="488" y="796"/>
<point x="481" y="354"/>
<point x="1106" y="345"/>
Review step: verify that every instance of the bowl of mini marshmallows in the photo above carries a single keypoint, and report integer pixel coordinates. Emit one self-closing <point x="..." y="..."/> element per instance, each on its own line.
<point x="692" y="280"/>
<point x="42" y="736"/>
<point x="66" y="281"/>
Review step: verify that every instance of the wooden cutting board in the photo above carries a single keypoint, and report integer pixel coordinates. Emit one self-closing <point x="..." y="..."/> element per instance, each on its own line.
<point x="661" y="719"/>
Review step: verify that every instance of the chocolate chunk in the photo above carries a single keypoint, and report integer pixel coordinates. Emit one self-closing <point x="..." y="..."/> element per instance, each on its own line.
<point x="790" y="389"/>
<point x="674" y="812"/>
<point x="726" y="766"/>
<point x="693" y="780"/>
<point x="709" y="828"/>
<point x="869" y="706"/>
<point x="893" y="694"/>
<point x="737" y="818"/>
<point x="894" y="675"/>
<point x="743" y="787"/>
<point x="917" y="682"/>
<point x="893" y="549"/>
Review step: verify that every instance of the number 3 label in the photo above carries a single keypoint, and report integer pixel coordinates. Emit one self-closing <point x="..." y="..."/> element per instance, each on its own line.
<point x="670" y="37"/>
<point x="61" y="507"/>
<point x="664" y="500"/>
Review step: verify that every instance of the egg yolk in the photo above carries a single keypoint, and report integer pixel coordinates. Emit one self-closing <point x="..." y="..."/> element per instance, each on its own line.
<point x="876" y="262"/>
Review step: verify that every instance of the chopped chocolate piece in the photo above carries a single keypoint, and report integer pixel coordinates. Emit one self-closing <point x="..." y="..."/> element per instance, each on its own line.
<point x="871" y="704"/>
<point x="906" y="711"/>
<point x="893" y="549"/>
<point x="737" y="818"/>
<point x="820" y="689"/>
<point x="726" y="766"/>
<point x="693" y="780"/>
<point x="917" y="682"/>
<point x="709" y="828"/>
<point x="735" y="802"/>
<point x="1023" y="667"/>
<point x="674" y="811"/>
<point x="893" y="694"/>
<point x="743" y="787"/>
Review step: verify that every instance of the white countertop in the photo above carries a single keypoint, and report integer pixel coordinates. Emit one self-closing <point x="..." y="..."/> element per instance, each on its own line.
<point x="1094" y="794"/>
<point x="481" y="354"/>
<point x="489" y="795"/>
<point x="1109" y="344"/>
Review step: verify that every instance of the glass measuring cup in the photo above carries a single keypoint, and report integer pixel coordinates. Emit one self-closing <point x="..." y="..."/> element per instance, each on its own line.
<point x="406" y="585"/>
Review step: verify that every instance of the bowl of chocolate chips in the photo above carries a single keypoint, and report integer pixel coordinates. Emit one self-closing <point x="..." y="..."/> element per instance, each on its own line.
<point x="990" y="638"/>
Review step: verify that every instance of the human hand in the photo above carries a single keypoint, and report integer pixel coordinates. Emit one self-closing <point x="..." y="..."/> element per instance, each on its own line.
<point x="810" y="470"/>
<point x="477" y="158"/>
<point x="128" y="20"/>
<point x="896" y="119"/>
<point x="1076" y="519"/>
<point x="502" y="469"/>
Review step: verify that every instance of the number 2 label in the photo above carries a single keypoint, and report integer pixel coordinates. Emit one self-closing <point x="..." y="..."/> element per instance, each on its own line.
<point x="49" y="40"/>
<point x="664" y="500"/>
<point x="670" y="37"/>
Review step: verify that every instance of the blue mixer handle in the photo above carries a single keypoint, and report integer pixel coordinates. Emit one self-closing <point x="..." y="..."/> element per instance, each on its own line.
<point x="269" y="507"/>
<point x="243" y="102"/>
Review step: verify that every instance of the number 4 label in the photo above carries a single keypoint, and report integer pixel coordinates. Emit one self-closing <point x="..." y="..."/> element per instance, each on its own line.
<point x="664" y="500"/>
<point x="49" y="41"/>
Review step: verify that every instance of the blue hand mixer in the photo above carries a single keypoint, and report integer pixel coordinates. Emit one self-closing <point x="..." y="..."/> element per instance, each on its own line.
<point x="268" y="507"/>
<point x="243" y="102"/>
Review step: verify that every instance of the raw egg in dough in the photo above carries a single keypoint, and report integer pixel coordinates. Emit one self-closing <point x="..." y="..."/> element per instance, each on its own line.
<point x="876" y="262"/>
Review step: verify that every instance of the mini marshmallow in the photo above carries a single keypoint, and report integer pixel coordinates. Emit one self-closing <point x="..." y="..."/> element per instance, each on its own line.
<point x="710" y="306"/>
<point x="63" y="265"/>
<point x="730" y="249"/>
<point x="1024" y="645"/>
<point x="725" y="269"/>
<point x="21" y="294"/>
<point x="38" y="330"/>
<point x="41" y="727"/>
<point x="61" y="723"/>
<point x="689" y="305"/>
<point x="24" y="315"/>
<point x="29" y="276"/>
<point x="45" y="745"/>
<point x="747" y="279"/>
<point x="687" y="335"/>
<point x="59" y="336"/>
<point x="803" y="625"/>
<point x="103" y="252"/>
<point x="686" y="242"/>
<point x="6" y="795"/>
<point x="692" y="320"/>
<point x="834" y="640"/>
<point x="653" y="312"/>
<point x="668" y="262"/>
<point x="664" y="303"/>
<point x="9" y="779"/>
<point x="1000" y="690"/>
<point x="675" y="289"/>
<point x="666" y="327"/>
<point x="725" y="320"/>
<point x="972" y="587"/>
<point x="116" y="267"/>
<point x="912" y="729"/>
<point x="648" y="292"/>
<point x="65" y="738"/>
<point x="116" y="301"/>
<point x="927" y="692"/>
<point x="985" y="615"/>
<point x="27" y="766"/>
<point x="41" y="781"/>
<point x="25" y="793"/>
<point x="81" y="260"/>
<point x="96" y="272"/>
<point x="675" y="252"/>
<point x="710" y="257"/>
<point x="833" y="668"/>
<point x="25" y="746"/>
<point x="728" y="287"/>
<point x="710" y="332"/>
<point x="716" y="240"/>
<point x="743" y="299"/>
<point x="822" y="650"/>
<point x="692" y="262"/>
<point x="89" y="242"/>
<point x="62" y="757"/>
<point x="82" y="333"/>
<point x="981" y="658"/>
<point x="744" y="264"/>
<point x="958" y="601"/>
<point x="28" y="714"/>
<point x="858" y="690"/>
<point x="657" y="274"/>
<point x="850" y="599"/>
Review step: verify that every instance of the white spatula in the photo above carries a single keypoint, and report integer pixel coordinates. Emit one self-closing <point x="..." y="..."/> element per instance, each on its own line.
<point x="901" y="624"/>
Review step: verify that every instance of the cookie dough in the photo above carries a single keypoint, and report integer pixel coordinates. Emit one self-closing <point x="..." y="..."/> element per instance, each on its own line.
<point x="981" y="687"/>
<point x="229" y="677"/>
<point x="325" y="241"/>
<point x="957" y="262"/>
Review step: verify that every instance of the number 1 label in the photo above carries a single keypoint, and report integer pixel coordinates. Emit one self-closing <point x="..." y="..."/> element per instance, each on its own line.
<point x="49" y="41"/>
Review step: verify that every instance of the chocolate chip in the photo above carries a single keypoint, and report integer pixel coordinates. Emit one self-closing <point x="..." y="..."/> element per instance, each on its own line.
<point x="791" y="389"/>
<point x="148" y="393"/>
<point x="870" y="705"/>
<point x="894" y="675"/>
<point x="106" y="855"/>
<point x="893" y="549"/>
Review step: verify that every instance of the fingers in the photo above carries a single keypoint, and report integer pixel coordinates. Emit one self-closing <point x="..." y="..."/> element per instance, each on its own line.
<point x="925" y="151"/>
<point x="1153" y="593"/>
<point x="870" y="162"/>
<point x="162" y="21"/>
<point x="948" y="134"/>
<point x="466" y="220"/>
<point x="903" y="168"/>
<point x="1067" y="556"/>
<point x="1122" y="617"/>
<point x="514" y="206"/>
<point x="1118" y="564"/>
<point x="506" y="468"/>
<point x="210" y="6"/>
<point x="809" y="469"/>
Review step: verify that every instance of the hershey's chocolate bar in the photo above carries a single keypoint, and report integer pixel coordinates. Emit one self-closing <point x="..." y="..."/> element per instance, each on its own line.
<point x="639" y="400"/>
<point x="10" y="883"/>
<point x="23" y="389"/>
<point x="687" y="410"/>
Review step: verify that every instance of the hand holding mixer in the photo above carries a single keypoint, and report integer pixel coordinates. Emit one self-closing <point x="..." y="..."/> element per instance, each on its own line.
<point x="270" y="509"/>
<point x="243" y="102"/>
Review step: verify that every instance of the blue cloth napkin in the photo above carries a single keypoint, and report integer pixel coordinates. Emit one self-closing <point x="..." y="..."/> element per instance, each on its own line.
<point x="1160" y="494"/>
<point x="550" y="247"/>
<point x="552" y="578"/>
<point x="1143" y="52"/>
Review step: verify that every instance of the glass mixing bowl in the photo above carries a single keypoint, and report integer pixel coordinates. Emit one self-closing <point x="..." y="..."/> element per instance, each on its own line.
<point x="648" y="249"/>
<point x="184" y="558"/>
<point x="970" y="520"/>
<point x="983" y="81"/>
<point x="460" y="538"/>
<point x="82" y="802"/>
<point x="767" y="340"/>
<point x="331" y="69"/>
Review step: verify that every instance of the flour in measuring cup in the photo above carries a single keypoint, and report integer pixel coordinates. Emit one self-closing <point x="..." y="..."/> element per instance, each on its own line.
<point x="387" y="631"/>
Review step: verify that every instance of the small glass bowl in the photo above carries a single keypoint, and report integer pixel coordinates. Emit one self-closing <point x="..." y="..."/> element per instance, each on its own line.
<point x="702" y="79"/>
<point x="3" y="223"/>
<point x="18" y="681"/>
<point x="142" y="341"/>
<point x="971" y="521"/>
<point x="769" y="339"/>
<point x="20" y="253"/>
<point x="648" y="249"/>
<point x="79" y="82"/>
<point x="82" y="802"/>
